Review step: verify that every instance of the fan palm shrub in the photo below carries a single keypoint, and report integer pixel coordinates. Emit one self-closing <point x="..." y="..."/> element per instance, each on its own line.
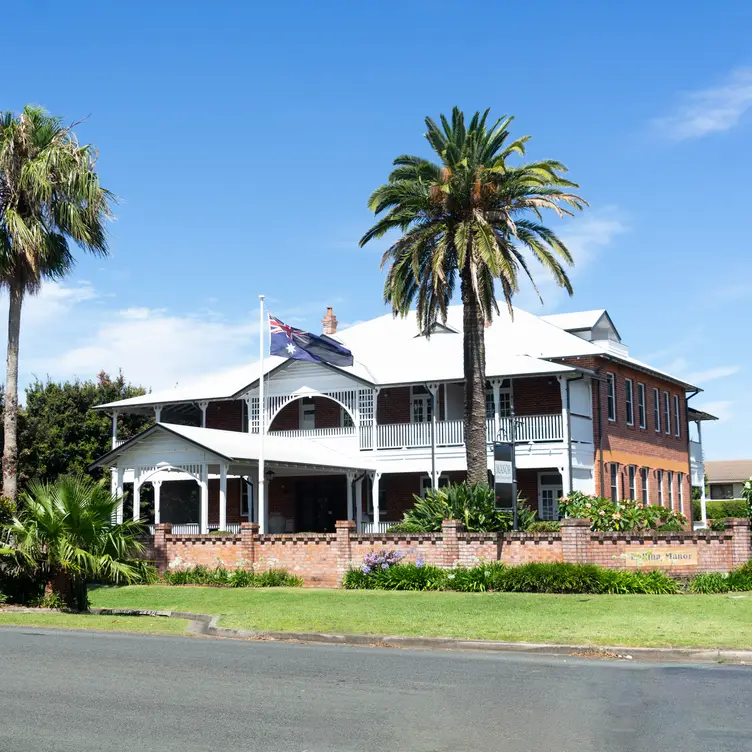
<point x="472" y="216"/>
<point x="64" y="535"/>
<point x="50" y="197"/>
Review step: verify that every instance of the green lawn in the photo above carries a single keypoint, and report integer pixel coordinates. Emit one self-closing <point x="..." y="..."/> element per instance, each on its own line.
<point x="647" y="620"/>
<point x="142" y="624"/>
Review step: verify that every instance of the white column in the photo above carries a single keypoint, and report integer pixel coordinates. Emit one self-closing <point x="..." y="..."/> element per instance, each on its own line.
<point x="204" y="486"/>
<point x="114" y="429"/>
<point x="359" y="503"/>
<point x="703" y="500"/>
<point x="566" y="470"/>
<point x="375" y="490"/>
<point x="350" y="479"/>
<point x="157" y="485"/>
<point x="202" y="406"/>
<point x="223" y="496"/>
<point x="137" y="494"/>
<point x="263" y="505"/>
<point x="157" y="413"/>
<point x="119" y="493"/>
<point x="433" y="389"/>
<point x="253" y="513"/>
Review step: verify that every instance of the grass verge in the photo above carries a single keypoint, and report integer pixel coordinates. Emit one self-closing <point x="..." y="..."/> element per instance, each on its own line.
<point x="703" y="621"/>
<point x="141" y="624"/>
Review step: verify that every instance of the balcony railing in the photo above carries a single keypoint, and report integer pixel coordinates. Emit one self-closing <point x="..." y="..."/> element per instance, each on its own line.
<point x="375" y="528"/>
<point x="315" y="433"/>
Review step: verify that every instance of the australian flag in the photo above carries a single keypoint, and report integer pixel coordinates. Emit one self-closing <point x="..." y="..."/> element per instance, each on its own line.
<point x="288" y="342"/>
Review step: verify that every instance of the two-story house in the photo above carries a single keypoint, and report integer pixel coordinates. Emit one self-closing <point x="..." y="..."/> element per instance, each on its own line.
<point x="360" y="442"/>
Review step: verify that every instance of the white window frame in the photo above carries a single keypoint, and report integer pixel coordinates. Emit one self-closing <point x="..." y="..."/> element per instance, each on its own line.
<point x="423" y="398"/>
<point x="657" y="409"/>
<point x="558" y="487"/>
<point x="611" y="398"/>
<point x="680" y="490"/>
<point x="659" y="481"/>
<point x="670" y="484"/>
<point x="307" y="409"/>
<point x="629" y="400"/>
<point x="642" y="406"/>
<point x="345" y="419"/>
<point x="677" y="416"/>
<point x="667" y="412"/>
<point x="426" y="485"/>
<point x="632" y="478"/>
<point x="246" y="490"/>
<point x="613" y="480"/>
<point x="645" y="483"/>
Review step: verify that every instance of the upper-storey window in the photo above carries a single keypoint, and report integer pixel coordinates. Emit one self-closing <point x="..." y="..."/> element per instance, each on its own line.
<point x="505" y="402"/>
<point x="644" y="484"/>
<point x="641" y="413"/>
<point x="422" y="404"/>
<point x="632" y="471"/>
<point x="629" y="401"/>
<point x="657" y="409"/>
<point x="614" y="481"/>
<point x="667" y="412"/>
<point x="611" y="383"/>
<point x="307" y="413"/>
<point x="345" y="419"/>
<point x="677" y="422"/>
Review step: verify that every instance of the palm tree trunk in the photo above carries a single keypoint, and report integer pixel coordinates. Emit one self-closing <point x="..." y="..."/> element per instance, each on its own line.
<point x="474" y="358"/>
<point x="10" y="417"/>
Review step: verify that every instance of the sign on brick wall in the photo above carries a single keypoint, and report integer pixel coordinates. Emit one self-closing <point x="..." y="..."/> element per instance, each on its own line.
<point x="660" y="556"/>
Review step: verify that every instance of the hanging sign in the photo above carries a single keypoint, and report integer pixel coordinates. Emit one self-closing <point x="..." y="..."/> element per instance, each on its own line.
<point x="504" y="480"/>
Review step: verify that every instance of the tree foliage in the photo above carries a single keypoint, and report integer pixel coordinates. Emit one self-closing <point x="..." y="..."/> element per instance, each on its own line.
<point x="476" y="217"/>
<point x="64" y="533"/>
<point x="59" y="433"/>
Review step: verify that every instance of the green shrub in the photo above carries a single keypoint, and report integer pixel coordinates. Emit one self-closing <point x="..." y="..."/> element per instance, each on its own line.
<point x="406" y="527"/>
<point x="711" y="582"/>
<point x="3" y="598"/>
<point x="241" y="578"/>
<point x="356" y="579"/>
<point x="544" y="526"/>
<point x="674" y="526"/>
<point x="540" y="577"/>
<point x="477" y="579"/>
<point x="606" y="515"/>
<point x="277" y="578"/>
<point x="718" y="525"/>
<point x="740" y="580"/>
<point x="720" y="508"/>
<point x="410" y="577"/>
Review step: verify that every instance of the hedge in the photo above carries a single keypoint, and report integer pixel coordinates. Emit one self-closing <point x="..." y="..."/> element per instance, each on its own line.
<point x="720" y="509"/>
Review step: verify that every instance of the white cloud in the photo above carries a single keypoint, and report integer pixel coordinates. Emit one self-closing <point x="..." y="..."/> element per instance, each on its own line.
<point x="710" y="374"/>
<point x="713" y="110"/>
<point x="586" y="237"/>
<point x="68" y="331"/>
<point x="722" y="409"/>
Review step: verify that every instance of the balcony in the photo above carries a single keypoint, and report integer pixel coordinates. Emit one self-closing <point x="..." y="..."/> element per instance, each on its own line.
<point x="316" y="433"/>
<point x="527" y="428"/>
<point x="696" y="464"/>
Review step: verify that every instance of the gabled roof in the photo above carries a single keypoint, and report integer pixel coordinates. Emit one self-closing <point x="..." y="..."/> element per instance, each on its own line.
<point x="580" y="321"/>
<point x="728" y="471"/>
<point x="237" y="446"/>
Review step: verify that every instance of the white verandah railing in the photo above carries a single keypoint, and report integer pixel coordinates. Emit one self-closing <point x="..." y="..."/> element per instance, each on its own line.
<point x="193" y="528"/>
<point x="315" y="433"/>
<point x="527" y="428"/>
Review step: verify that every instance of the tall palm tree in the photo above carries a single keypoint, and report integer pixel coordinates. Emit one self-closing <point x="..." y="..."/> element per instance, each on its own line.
<point x="49" y="196"/>
<point x="470" y="215"/>
<point x="64" y="534"/>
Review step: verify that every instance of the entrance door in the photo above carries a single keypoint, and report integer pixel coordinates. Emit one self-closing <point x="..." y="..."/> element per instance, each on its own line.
<point x="550" y="490"/>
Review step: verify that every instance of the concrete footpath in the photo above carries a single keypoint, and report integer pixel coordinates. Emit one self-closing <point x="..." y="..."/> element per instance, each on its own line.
<point x="206" y="624"/>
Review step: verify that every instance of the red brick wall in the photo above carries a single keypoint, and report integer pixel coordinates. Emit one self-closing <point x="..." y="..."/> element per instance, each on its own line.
<point x="535" y="396"/>
<point x="288" y="418"/>
<point x="312" y="556"/>
<point x="227" y="416"/>
<point x="393" y="405"/>
<point x="233" y="501"/>
<point x="327" y="412"/>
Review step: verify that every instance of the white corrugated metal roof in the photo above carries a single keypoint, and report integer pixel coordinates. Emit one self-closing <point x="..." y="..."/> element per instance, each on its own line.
<point x="576" y="320"/>
<point x="234" y="445"/>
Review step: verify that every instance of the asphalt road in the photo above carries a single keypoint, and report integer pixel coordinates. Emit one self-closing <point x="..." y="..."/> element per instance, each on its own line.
<point x="78" y="691"/>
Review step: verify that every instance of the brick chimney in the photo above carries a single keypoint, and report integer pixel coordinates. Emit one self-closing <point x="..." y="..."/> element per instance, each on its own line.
<point x="329" y="322"/>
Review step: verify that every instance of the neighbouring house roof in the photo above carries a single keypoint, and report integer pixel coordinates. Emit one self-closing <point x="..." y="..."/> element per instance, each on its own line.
<point x="576" y="321"/>
<point x="239" y="447"/>
<point x="389" y="351"/>
<point x="695" y="414"/>
<point x="728" y="471"/>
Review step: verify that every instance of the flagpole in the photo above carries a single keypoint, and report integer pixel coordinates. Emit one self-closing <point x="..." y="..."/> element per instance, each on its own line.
<point x="262" y="422"/>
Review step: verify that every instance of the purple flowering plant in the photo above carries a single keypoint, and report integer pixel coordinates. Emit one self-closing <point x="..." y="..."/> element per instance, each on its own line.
<point x="382" y="559"/>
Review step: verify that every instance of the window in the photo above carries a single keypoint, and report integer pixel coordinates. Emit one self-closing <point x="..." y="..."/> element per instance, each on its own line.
<point x="246" y="497"/>
<point x="677" y="422"/>
<point x="551" y="490"/>
<point x="657" y="409"/>
<point x="680" y="490"/>
<point x="490" y="407"/>
<point x="422" y="405"/>
<point x="722" y="491"/>
<point x="641" y="405"/>
<point x="667" y="412"/>
<point x="670" y="477"/>
<point x="307" y="414"/>
<point x="345" y="419"/>
<point x="610" y="381"/>
<point x="244" y="416"/>
<point x="614" y="482"/>
<point x="505" y="403"/>
<point x="644" y="483"/>
<point x="632" y="471"/>
<point x="426" y="485"/>
<point x="629" y="401"/>
<point x="659" y="474"/>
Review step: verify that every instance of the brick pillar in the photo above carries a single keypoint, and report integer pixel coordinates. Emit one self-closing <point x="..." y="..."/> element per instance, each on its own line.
<point x="741" y="540"/>
<point x="574" y="540"/>
<point x="344" y="528"/>
<point x="248" y="535"/>
<point x="450" y="545"/>
<point x="161" y="558"/>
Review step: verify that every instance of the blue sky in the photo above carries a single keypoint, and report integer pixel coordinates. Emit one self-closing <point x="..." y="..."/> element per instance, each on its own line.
<point x="244" y="138"/>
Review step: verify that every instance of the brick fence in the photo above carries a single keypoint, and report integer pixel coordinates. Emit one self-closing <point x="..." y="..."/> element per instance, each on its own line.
<point x="322" y="559"/>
